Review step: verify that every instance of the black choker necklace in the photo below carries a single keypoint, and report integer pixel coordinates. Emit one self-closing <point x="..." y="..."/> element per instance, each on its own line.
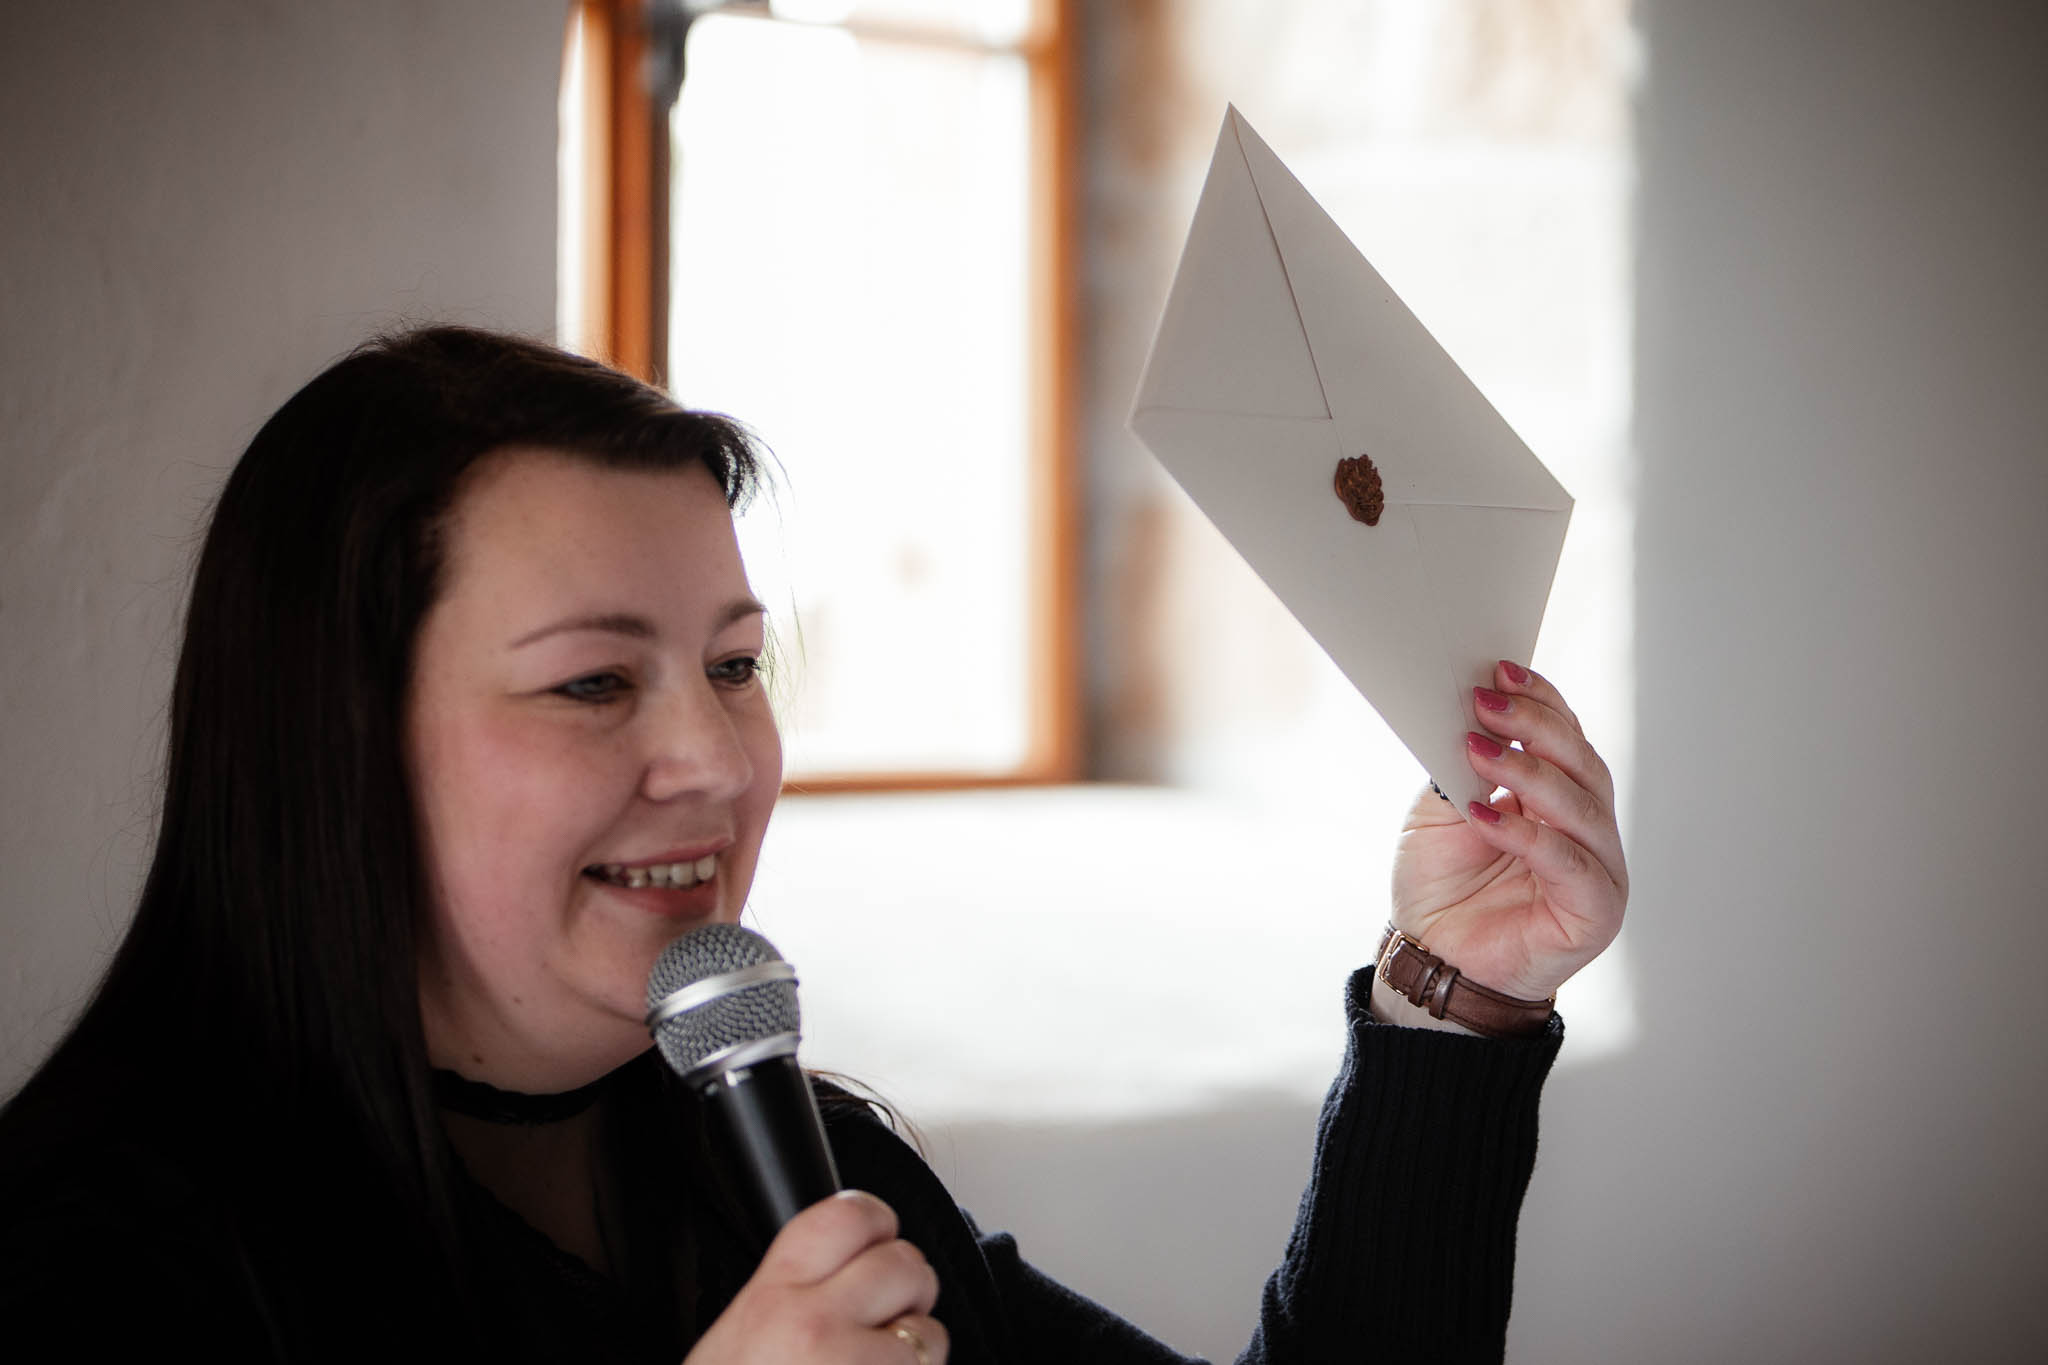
<point x="477" y="1100"/>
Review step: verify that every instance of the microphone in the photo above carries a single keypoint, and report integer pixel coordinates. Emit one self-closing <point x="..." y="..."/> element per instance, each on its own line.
<point x="721" y="1004"/>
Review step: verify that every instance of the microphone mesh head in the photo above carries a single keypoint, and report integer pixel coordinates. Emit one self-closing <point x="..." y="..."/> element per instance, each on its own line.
<point x="743" y="1016"/>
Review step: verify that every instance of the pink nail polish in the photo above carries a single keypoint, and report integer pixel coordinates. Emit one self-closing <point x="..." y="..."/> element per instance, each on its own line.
<point x="1481" y="745"/>
<point x="1517" y="674"/>
<point x="1489" y="700"/>
<point x="1484" y="813"/>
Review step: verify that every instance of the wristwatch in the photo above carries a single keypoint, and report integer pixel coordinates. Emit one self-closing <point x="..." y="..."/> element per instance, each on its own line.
<point x="1427" y="980"/>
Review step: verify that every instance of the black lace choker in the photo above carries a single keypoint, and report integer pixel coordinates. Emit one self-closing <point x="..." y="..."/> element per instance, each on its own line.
<point x="477" y="1100"/>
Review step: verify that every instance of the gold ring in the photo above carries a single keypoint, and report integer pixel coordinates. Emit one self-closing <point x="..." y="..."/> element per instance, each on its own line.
<point x="913" y="1341"/>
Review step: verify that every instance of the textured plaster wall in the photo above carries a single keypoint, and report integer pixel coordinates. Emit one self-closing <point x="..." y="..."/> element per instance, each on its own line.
<point x="1826" y="1144"/>
<point x="204" y="202"/>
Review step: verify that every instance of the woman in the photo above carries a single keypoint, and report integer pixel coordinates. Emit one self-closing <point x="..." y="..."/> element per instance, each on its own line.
<point x="468" y="723"/>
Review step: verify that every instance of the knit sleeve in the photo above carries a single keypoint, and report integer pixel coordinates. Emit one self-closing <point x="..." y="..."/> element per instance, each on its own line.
<point x="1402" y="1250"/>
<point x="1404" y="1245"/>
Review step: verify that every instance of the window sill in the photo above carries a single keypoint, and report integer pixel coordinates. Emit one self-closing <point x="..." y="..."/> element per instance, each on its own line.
<point x="1086" y="952"/>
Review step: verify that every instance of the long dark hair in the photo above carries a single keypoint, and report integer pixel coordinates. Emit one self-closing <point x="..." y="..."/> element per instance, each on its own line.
<point x="271" y="959"/>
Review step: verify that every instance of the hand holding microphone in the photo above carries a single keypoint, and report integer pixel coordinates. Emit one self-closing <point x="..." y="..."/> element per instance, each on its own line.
<point x="836" y="1284"/>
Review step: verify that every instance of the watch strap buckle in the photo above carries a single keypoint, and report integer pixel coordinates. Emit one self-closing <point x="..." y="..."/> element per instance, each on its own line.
<point x="1419" y="976"/>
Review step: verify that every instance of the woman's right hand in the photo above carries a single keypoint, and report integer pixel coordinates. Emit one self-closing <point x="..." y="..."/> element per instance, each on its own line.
<point x="837" y="1286"/>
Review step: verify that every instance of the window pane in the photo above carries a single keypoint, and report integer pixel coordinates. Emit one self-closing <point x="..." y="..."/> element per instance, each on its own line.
<point x="849" y="278"/>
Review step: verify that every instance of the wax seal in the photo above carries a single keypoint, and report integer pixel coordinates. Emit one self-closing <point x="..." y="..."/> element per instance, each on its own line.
<point x="1358" y="487"/>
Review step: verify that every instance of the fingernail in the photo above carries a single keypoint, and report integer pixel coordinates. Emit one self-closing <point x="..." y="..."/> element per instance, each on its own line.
<point x="1489" y="700"/>
<point x="1517" y="674"/>
<point x="1485" y="813"/>
<point x="1481" y="745"/>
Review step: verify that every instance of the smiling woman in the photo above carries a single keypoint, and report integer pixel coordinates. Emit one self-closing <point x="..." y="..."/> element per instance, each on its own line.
<point x="467" y="727"/>
<point x="592" y="754"/>
<point x="388" y="774"/>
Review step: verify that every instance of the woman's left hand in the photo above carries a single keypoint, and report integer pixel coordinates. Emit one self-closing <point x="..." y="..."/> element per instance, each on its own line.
<point x="1531" y="887"/>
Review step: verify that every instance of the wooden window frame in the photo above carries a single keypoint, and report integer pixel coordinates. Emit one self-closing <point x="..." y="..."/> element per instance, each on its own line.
<point x="622" y="284"/>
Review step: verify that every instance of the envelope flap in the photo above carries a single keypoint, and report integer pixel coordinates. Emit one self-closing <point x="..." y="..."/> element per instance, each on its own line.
<point x="1231" y="339"/>
<point x="1395" y="394"/>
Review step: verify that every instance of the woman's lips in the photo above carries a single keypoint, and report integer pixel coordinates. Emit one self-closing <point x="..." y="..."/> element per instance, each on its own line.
<point x="680" y="873"/>
<point x="673" y="886"/>
<point x="698" y="899"/>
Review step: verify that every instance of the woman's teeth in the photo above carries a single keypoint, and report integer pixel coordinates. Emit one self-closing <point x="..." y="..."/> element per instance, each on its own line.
<point x="673" y="875"/>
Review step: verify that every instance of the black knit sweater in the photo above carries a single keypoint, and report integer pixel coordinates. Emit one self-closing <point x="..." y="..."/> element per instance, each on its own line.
<point x="1403" y="1248"/>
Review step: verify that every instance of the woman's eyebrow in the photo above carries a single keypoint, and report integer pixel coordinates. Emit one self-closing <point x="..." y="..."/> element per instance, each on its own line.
<point x="637" y="627"/>
<point x="612" y="623"/>
<point x="738" y="610"/>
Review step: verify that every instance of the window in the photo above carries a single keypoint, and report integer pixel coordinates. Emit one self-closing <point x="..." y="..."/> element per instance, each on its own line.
<point x="1479" y="154"/>
<point x="854" y="239"/>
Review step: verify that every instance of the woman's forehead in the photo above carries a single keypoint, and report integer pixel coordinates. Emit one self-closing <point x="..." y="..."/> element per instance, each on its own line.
<point x="544" y="526"/>
<point x="528" y="478"/>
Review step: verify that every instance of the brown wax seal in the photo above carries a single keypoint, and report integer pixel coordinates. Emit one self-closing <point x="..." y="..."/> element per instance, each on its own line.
<point x="1358" y="486"/>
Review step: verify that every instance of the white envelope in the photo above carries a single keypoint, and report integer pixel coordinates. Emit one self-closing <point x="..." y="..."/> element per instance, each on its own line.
<point x="1281" y="352"/>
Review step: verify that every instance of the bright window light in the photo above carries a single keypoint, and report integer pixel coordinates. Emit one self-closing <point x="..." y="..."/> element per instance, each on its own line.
<point x="849" y="277"/>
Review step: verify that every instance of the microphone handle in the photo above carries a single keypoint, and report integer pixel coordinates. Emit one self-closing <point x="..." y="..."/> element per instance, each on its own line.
<point x="766" y="1119"/>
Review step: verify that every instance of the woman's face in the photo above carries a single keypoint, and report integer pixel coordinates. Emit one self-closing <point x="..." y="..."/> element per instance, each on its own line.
<point x="592" y="758"/>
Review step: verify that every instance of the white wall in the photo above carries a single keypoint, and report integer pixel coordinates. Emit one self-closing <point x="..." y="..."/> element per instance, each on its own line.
<point x="202" y="202"/>
<point x="1827" y="1143"/>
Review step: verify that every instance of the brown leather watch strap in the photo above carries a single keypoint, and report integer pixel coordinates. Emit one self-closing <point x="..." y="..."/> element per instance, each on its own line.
<point x="1427" y="980"/>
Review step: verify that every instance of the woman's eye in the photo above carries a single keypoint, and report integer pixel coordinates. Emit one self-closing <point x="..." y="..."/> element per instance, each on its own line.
<point x="736" y="672"/>
<point x="597" y="687"/>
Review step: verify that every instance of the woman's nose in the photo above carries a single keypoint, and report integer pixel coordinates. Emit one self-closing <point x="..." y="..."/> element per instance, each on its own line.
<point x="695" y="747"/>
